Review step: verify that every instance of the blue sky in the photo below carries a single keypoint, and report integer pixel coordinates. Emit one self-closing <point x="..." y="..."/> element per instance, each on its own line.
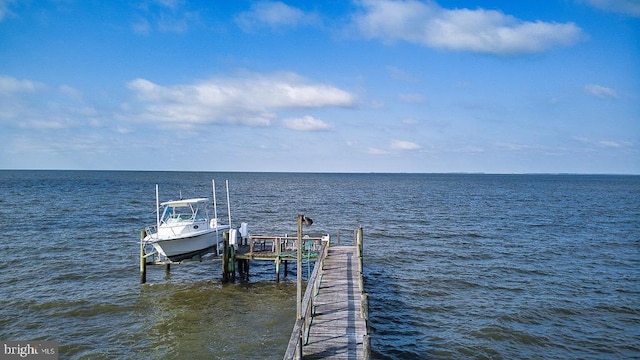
<point x="333" y="86"/>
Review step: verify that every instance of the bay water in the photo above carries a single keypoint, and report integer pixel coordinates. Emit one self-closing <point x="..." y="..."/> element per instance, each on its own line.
<point x="457" y="266"/>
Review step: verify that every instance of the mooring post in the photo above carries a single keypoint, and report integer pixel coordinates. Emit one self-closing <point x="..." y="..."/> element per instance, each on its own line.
<point x="359" y="244"/>
<point x="225" y="257"/>
<point x="278" y="246"/>
<point x="240" y="267"/>
<point x="143" y="260"/>
<point x="364" y="306"/>
<point x="232" y="262"/>
<point x="246" y="268"/>
<point x="366" y="347"/>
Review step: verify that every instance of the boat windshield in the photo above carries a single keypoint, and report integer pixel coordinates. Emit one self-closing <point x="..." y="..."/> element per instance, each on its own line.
<point x="187" y="212"/>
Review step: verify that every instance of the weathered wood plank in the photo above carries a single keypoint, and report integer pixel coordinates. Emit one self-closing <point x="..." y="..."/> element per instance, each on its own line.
<point x="337" y="330"/>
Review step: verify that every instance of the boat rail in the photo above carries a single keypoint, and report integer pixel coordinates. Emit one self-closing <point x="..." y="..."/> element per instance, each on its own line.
<point x="300" y="333"/>
<point x="151" y="231"/>
<point x="284" y="244"/>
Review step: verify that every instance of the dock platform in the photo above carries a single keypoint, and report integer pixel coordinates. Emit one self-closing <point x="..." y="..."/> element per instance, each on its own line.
<point x="337" y="329"/>
<point x="333" y="320"/>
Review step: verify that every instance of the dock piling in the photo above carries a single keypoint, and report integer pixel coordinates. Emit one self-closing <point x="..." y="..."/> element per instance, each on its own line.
<point x="225" y="257"/>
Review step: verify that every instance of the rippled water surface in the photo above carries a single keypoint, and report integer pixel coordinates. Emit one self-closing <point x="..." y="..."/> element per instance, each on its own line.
<point x="456" y="266"/>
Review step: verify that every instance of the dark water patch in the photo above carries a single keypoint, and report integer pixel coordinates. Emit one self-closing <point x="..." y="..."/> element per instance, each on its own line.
<point x="507" y="334"/>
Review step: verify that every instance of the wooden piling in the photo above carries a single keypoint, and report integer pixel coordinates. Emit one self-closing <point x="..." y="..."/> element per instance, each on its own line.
<point x="232" y="263"/>
<point x="246" y="269"/>
<point x="364" y="306"/>
<point x="225" y="257"/>
<point x="359" y="245"/>
<point x="277" y="247"/>
<point x="366" y="347"/>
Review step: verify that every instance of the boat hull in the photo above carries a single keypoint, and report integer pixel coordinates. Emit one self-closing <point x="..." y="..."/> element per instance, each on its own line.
<point x="181" y="248"/>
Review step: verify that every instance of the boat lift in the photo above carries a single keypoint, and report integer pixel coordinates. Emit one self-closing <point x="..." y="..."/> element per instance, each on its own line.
<point x="232" y="237"/>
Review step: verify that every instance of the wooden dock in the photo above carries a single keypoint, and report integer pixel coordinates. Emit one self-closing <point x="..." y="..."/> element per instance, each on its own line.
<point x="334" y="324"/>
<point x="337" y="329"/>
<point x="331" y="321"/>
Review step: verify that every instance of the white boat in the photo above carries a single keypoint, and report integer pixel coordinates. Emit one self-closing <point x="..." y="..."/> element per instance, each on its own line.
<point x="184" y="228"/>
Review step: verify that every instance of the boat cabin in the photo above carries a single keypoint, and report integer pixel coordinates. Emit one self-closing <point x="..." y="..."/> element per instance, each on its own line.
<point x="184" y="210"/>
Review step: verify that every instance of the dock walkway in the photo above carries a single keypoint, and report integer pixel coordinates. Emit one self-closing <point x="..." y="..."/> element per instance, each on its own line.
<point x="337" y="327"/>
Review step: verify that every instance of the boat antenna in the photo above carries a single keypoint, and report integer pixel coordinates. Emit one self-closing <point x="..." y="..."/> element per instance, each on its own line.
<point x="215" y="216"/>
<point x="228" y="203"/>
<point x="180" y="194"/>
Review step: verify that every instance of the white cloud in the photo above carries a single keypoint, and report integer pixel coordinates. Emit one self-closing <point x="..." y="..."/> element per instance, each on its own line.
<point x="404" y="145"/>
<point x="28" y="104"/>
<point x="600" y="91"/>
<point x="171" y="4"/>
<point x="9" y="85"/>
<point x="43" y="124"/>
<point x="513" y="146"/>
<point x="306" y="123"/>
<point x="142" y="27"/>
<point x="18" y="100"/>
<point x="483" y="31"/>
<point x="627" y="7"/>
<point x="413" y="98"/>
<point x="71" y="92"/>
<point x="4" y="8"/>
<point x="400" y="75"/>
<point x="610" y="144"/>
<point x="273" y="14"/>
<point x="376" y="151"/>
<point x="166" y="16"/>
<point x="170" y="23"/>
<point x="250" y="100"/>
<point x="470" y="149"/>
<point x="394" y="147"/>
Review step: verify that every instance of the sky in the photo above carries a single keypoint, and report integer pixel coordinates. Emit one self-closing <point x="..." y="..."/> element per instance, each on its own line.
<point x="413" y="86"/>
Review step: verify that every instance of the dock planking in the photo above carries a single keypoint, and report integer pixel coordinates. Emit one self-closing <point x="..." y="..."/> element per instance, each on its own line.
<point x="337" y="328"/>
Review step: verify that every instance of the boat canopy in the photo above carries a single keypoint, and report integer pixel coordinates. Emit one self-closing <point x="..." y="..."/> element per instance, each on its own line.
<point x="185" y="202"/>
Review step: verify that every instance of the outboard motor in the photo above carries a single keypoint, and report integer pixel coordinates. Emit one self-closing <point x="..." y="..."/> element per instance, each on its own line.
<point x="244" y="233"/>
